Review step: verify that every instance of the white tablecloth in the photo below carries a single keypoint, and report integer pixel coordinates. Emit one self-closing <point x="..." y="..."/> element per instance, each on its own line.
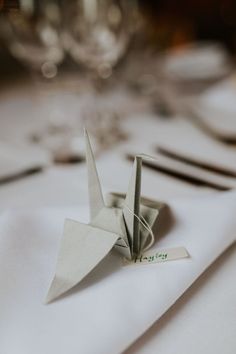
<point x="203" y="320"/>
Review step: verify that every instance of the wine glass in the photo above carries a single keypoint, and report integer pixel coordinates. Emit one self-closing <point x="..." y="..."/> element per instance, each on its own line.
<point x="96" y="35"/>
<point x="31" y="32"/>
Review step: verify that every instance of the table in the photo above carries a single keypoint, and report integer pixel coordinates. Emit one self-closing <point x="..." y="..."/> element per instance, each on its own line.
<point x="204" y="318"/>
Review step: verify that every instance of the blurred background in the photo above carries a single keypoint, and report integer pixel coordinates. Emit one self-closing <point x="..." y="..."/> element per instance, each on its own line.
<point x="142" y="76"/>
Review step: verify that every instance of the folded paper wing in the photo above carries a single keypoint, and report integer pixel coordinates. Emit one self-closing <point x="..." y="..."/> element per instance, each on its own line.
<point x="96" y="202"/>
<point x="82" y="248"/>
<point x="112" y="219"/>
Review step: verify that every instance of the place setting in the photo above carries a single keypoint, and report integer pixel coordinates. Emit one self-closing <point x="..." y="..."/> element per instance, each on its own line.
<point x="117" y="177"/>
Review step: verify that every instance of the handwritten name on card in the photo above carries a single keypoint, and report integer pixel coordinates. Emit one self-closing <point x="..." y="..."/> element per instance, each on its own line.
<point x="155" y="256"/>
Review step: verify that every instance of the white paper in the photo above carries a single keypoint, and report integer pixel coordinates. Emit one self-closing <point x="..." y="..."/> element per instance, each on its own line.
<point x="158" y="256"/>
<point x="114" y="305"/>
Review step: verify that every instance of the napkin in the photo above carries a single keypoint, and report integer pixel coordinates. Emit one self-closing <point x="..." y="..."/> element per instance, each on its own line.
<point x="114" y="305"/>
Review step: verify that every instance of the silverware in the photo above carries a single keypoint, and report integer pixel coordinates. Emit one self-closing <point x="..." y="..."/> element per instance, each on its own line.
<point x="188" y="173"/>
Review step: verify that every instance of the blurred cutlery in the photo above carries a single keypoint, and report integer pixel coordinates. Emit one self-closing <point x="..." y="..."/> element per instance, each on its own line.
<point x="17" y="161"/>
<point x="188" y="173"/>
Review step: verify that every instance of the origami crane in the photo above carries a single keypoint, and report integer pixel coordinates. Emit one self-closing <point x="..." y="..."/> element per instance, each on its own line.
<point x="125" y="223"/>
